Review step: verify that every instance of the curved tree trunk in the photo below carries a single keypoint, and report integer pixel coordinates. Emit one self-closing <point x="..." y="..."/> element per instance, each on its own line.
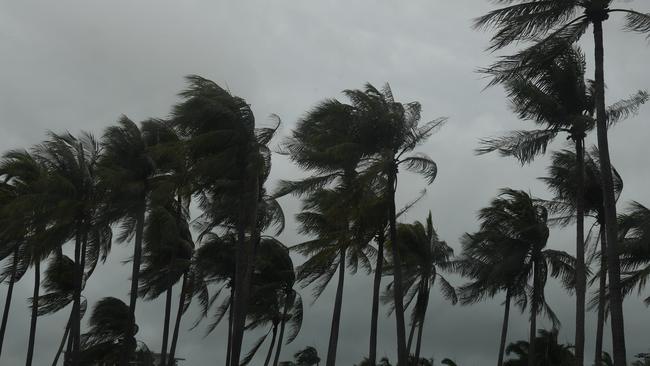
<point x="229" y="343"/>
<point x="177" y="323"/>
<point x="602" y="298"/>
<point x="32" y="326"/>
<point x="276" y="359"/>
<point x="581" y="277"/>
<point x="402" y="355"/>
<point x="168" y="310"/>
<point x="272" y="346"/>
<point x="532" y="356"/>
<point x="76" y="304"/>
<point x="609" y="200"/>
<point x="10" y="290"/>
<point x="409" y="343"/>
<point x="135" y="274"/>
<point x="336" y="317"/>
<point x="418" y="344"/>
<point x="66" y="335"/>
<point x="504" y="329"/>
<point x="376" y="288"/>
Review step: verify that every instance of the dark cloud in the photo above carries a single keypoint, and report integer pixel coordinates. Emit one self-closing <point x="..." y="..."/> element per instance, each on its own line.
<point x="72" y="65"/>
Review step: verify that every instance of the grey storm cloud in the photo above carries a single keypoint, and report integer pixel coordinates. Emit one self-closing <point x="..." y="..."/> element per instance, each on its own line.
<point x="78" y="65"/>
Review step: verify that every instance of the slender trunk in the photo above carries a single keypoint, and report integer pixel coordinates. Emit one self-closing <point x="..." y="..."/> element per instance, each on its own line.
<point x="376" y="288"/>
<point x="409" y="343"/>
<point x="168" y="310"/>
<point x="402" y="355"/>
<point x="602" y="298"/>
<point x="532" y="356"/>
<point x="229" y="347"/>
<point x="504" y="329"/>
<point x="32" y="326"/>
<point x="177" y="323"/>
<point x="129" y="347"/>
<point x="66" y="335"/>
<point x="609" y="200"/>
<point x="272" y="346"/>
<point x="76" y="304"/>
<point x="336" y="317"/>
<point x="581" y="277"/>
<point x="276" y="359"/>
<point x="10" y="290"/>
<point x="245" y="263"/>
<point x="418" y="343"/>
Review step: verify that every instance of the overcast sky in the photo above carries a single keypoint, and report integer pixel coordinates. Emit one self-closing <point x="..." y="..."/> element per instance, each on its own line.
<point x="73" y="65"/>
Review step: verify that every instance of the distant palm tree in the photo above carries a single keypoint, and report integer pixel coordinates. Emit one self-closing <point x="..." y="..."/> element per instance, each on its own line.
<point x="307" y="357"/>
<point x="424" y="257"/>
<point x="548" y="352"/>
<point x="516" y="217"/>
<point x="546" y="23"/>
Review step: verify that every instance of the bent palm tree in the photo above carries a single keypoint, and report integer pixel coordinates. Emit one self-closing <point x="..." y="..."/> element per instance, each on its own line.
<point x="567" y="21"/>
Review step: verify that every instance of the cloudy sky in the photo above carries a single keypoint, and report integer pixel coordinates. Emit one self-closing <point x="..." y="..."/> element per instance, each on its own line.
<point x="79" y="65"/>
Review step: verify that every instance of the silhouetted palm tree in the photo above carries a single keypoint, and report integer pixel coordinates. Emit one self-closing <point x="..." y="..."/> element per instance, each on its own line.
<point x="424" y="257"/>
<point x="635" y="252"/>
<point x="517" y="218"/>
<point x="111" y="331"/>
<point x="548" y="352"/>
<point x="562" y="180"/>
<point x="546" y="23"/>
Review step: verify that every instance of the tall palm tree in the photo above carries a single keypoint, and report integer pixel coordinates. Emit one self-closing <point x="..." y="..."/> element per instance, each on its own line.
<point x="128" y="173"/>
<point x="226" y="163"/>
<point x="516" y="217"/>
<point x="528" y="20"/>
<point x="562" y="180"/>
<point x="424" y="256"/>
<point x="27" y="219"/>
<point x="389" y="131"/>
<point x="78" y="213"/>
<point x="326" y="143"/>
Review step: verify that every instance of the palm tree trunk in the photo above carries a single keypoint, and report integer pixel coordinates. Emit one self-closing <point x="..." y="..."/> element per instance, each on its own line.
<point x="376" y="288"/>
<point x="32" y="326"/>
<point x="245" y="263"/>
<point x="532" y="356"/>
<point x="177" y="323"/>
<point x="10" y="290"/>
<point x="602" y="298"/>
<point x="336" y="317"/>
<point x="276" y="359"/>
<point x="609" y="201"/>
<point x="272" y="346"/>
<point x="135" y="273"/>
<point x="66" y="335"/>
<point x="581" y="277"/>
<point x="418" y="343"/>
<point x="168" y="310"/>
<point x="504" y="329"/>
<point x="402" y="355"/>
<point x="76" y="305"/>
<point x="229" y="347"/>
<point x="414" y="325"/>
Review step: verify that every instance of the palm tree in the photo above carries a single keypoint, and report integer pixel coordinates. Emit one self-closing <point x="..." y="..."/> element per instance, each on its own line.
<point x="423" y="256"/>
<point x="111" y="331"/>
<point x="546" y="349"/>
<point x="325" y="143"/>
<point x="27" y="219"/>
<point x="528" y="20"/>
<point x="558" y="99"/>
<point x="78" y="213"/>
<point x="226" y="163"/>
<point x="323" y="217"/>
<point x="562" y="180"/>
<point x="514" y="216"/>
<point x="390" y="131"/>
<point x="635" y="251"/>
